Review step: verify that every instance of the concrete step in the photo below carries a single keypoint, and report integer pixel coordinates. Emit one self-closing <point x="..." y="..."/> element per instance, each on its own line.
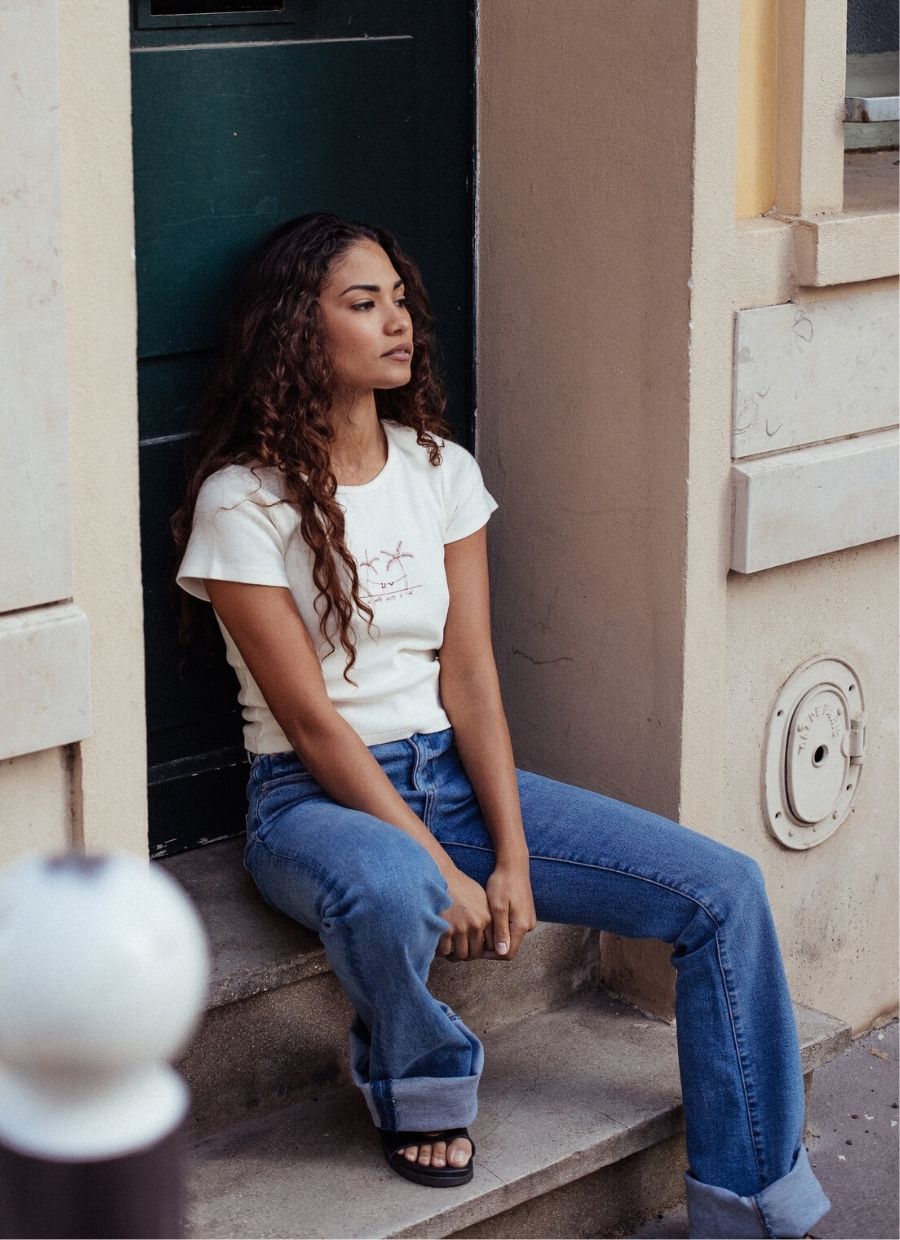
<point x="276" y="1026"/>
<point x="579" y="1133"/>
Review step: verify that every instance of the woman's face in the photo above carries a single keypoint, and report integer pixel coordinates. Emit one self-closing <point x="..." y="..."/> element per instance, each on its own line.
<point x="368" y="329"/>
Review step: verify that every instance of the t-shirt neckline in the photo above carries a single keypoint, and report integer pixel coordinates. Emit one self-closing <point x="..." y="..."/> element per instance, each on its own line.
<point x="356" y="488"/>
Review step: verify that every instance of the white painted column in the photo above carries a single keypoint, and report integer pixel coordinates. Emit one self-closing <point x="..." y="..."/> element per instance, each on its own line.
<point x="44" y="662"/>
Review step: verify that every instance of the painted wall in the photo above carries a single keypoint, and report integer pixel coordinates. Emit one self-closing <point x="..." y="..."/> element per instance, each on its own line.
<point x="41" y="633"/>
<point x="835" y="905"/>
<point x="76" y="636"/>
<point x="583" y="383"/>
<point x="757" y="107"/>
<point x="613" y="259"/>
<point x="98" y="233"/>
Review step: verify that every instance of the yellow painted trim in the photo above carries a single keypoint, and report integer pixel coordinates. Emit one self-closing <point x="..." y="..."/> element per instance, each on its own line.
<point x="757" y="107"/>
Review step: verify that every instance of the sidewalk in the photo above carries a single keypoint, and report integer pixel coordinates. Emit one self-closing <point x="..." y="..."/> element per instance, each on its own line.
<point x="852" y="1144"/>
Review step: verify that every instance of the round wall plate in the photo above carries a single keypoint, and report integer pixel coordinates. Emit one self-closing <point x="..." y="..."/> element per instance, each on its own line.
<point x="815" y="744"/>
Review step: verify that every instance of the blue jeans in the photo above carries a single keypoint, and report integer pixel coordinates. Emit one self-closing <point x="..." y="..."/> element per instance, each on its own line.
<point x="375" y="898"/>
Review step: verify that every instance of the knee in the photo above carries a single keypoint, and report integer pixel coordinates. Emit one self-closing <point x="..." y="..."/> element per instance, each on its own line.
<point x="742" y="884"/>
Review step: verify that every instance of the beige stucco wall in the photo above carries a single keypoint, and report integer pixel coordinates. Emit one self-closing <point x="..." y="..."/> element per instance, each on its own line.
<point x="632" y="660"/>
<point x="610" y="266"/>
<point x="98" y="231"/>
<point x="836" y="904"/>
<point x="583" y="383"/>
<point x="35" y="796"/>
<point x="72" y="71"/>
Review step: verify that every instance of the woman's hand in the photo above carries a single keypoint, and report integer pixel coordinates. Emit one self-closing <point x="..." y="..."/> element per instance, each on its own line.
<point x="469" y="916"/>
<point x="512" y="908"/>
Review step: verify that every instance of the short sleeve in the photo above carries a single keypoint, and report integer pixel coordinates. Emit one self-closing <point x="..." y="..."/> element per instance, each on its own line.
<point x="233" y="536"/>
<point x="469" y="502"/>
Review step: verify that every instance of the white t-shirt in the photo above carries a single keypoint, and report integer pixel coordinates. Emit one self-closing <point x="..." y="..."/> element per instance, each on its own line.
<point x="396" y="526"/>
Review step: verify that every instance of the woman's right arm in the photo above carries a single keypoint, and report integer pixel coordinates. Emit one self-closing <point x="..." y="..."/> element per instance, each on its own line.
<point x="266" y="627"/>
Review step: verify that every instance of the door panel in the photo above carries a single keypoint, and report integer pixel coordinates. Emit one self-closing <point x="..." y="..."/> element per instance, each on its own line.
<point x="244" y="115"/>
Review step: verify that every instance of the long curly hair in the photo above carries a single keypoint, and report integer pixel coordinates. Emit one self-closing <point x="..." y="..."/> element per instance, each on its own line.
<point x="267" y="403"/>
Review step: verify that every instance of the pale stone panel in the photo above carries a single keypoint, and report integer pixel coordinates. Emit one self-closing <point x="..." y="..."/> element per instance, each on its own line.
<point x="45" y="679"/>
<point x="835" y="905"/>
<point x="816" y="370"/>
<point x="811" y="501"/>
<point x="34" y="498"/>
<point x="35" y="804"/>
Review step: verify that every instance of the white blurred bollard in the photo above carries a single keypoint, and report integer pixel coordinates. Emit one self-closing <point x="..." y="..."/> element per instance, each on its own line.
<point x="104" y="969"/>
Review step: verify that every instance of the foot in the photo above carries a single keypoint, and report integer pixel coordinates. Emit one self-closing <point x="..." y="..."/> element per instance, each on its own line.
<point x="456" y="1153"/>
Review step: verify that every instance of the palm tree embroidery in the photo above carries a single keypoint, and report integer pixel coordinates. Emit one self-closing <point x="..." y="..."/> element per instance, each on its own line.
<point x="397" y="557"/>
<point x="371" y="577"/>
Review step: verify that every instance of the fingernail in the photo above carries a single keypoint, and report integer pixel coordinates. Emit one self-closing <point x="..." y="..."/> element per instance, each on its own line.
<point x="502" y="948"/>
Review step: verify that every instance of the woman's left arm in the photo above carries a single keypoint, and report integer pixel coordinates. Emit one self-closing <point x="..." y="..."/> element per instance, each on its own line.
<point x="470" y="693"/>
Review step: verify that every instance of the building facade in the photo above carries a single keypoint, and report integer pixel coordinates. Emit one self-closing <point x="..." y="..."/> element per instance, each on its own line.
<point x="686" y="407"/>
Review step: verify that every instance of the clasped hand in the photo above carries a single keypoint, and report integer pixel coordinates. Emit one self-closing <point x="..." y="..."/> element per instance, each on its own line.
<point x="488" y="922"/>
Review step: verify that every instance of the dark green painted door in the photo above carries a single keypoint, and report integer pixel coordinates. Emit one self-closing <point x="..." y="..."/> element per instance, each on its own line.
<point x="245" y="114"/>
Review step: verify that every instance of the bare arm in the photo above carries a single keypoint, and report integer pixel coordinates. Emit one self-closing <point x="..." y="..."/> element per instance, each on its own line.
<point x="470" y="693"/>
<point x="269" y="632"/>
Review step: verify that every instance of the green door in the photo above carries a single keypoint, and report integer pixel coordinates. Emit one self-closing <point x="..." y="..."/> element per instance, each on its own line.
<point x="246" y="113"/>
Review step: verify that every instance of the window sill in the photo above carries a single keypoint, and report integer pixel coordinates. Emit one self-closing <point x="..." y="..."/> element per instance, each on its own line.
<point x="859" y="243"/>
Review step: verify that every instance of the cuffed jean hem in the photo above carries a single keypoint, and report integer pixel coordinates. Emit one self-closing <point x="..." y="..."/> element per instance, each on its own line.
<point x="786" y="1207"/>
<point x="421" y="1103"/>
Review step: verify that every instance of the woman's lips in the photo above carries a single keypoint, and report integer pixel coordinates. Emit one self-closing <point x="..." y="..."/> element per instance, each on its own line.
<point x="401" y="354"/>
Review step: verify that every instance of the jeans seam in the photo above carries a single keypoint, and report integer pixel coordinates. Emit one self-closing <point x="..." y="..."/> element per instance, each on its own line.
<point x="757" y="1206"/>
<point x="740" y="1058"/>
<point x="590" y="865"/>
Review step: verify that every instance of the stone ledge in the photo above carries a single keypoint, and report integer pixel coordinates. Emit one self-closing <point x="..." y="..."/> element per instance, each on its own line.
<point x="564" y="1093"/>
<point x="861" y="242"/>
<point x="254" y="948"/>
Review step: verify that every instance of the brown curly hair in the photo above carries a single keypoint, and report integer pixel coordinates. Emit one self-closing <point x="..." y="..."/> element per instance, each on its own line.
<point x="267" y="403"/>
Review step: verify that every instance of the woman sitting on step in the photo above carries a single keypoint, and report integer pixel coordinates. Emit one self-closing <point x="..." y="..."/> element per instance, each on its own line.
<point x="340" y="535"/>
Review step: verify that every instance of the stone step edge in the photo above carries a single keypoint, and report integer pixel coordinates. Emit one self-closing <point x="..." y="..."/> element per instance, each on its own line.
<point x="822" y="1037"/>
<point x="254" y="949"/>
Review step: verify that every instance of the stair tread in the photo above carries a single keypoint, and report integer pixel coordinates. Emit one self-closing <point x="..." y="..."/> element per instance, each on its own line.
<point x="254" y="948"/>
<point x="563" y="1093"/>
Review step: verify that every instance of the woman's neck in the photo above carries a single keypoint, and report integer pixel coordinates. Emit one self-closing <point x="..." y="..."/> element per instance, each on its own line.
<point x="359" y="448"/>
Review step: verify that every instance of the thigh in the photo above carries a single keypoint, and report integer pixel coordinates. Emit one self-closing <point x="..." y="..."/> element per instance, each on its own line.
<point x="309" y="855"/>
<point x="597" y="861"/>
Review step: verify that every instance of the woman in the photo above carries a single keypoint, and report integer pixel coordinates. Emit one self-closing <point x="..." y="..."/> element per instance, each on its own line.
<point x="340" y="537"/>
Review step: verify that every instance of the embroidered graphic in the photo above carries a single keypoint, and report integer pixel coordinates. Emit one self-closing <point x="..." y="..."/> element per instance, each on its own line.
<point x="392" y="581"/>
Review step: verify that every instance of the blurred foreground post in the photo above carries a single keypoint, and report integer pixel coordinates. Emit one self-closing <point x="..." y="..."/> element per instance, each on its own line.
<point x="103" y="975"/>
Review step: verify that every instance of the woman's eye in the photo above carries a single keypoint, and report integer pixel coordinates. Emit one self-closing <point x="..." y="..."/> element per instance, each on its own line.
<point x="362" y="305"/>
<point x="403" y="301"/>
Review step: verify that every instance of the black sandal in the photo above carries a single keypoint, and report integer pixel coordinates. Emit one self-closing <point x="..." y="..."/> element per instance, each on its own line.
<point x="435" y="1177"/>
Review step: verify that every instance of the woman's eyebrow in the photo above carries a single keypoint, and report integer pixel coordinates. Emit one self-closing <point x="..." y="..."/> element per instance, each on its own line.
<point x="369" y="288"/>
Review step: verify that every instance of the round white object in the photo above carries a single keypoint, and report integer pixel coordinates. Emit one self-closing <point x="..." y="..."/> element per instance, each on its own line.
<point x="815" y="748"/>
<point x="104" y="969"/>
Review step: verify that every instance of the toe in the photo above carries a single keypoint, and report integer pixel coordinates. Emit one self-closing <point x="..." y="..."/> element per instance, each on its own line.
<point x="460" y="1151"/>
<point x="439" y="1154"/>
<point x="411" y="1152"/>
<point x="424" y="1155"/>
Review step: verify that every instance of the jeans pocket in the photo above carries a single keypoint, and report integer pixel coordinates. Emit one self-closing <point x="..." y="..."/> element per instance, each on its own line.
<point x="274" y="796"/>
